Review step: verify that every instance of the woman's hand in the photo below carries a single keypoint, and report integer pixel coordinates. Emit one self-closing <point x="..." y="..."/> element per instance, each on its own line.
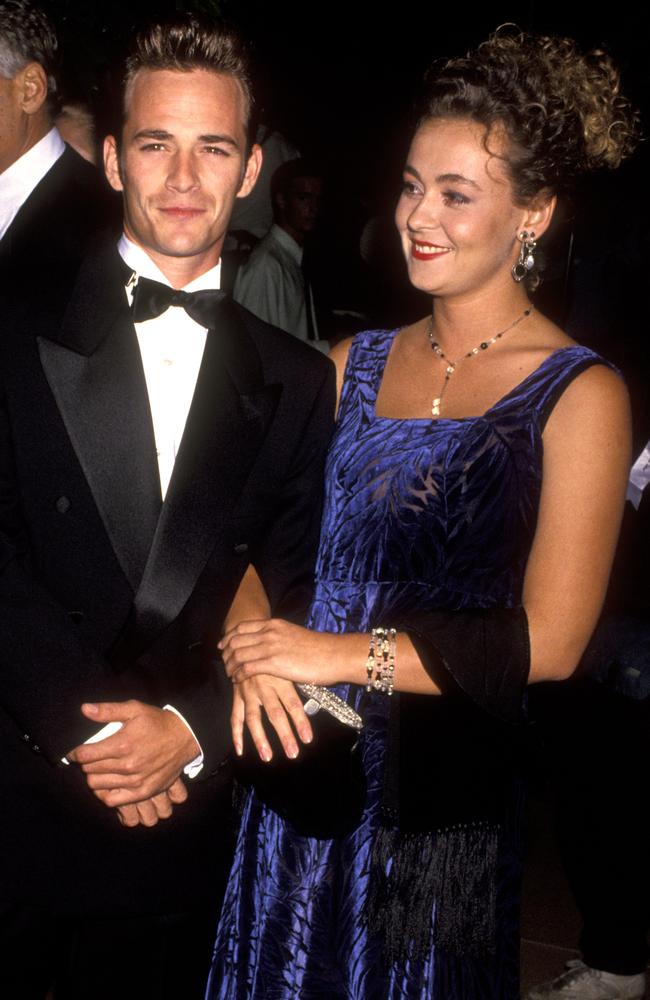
<point x="275" y="647"/>
<point x="281" y="703"/>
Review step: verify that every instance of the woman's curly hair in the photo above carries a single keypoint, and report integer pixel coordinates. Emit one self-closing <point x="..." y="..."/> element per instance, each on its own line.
<point x="562" y="110"/>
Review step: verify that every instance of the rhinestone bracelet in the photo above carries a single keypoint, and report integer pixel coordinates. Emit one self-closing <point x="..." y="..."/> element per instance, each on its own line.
<point x="380" y="665"/>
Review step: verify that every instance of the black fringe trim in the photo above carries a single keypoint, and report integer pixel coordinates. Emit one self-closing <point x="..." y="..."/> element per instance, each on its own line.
<point x="454" y="872"/>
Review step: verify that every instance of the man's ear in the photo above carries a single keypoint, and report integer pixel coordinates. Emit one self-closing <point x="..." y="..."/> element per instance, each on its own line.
<point x="251" y="173"/>
<point x="31" y="83"/>
<point x="112" y="163"/>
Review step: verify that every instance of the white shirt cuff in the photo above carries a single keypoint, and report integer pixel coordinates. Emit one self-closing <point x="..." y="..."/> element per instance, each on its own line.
<point x="196" y="765"/>
<point x="103" y="734"/>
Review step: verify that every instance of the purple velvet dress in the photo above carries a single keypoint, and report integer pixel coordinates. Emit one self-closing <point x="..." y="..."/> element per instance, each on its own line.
<point x="418" y="514"/>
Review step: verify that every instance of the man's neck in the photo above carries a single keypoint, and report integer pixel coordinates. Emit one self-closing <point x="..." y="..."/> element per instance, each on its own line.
<point x="295" y="235"/>
<point x="148" y="265"/>
<point x="180" y="271"/>
<point x="35" y="128"/>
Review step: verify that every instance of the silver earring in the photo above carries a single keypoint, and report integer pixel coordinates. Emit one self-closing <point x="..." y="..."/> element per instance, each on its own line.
<point x="526" y="261"/>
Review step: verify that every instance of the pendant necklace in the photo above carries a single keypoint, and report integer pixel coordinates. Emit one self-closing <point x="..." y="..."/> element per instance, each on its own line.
<point x="452" y="365"/>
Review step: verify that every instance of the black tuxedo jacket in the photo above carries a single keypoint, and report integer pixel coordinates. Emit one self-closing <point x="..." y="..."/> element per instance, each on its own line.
<point x="106" y="593"/>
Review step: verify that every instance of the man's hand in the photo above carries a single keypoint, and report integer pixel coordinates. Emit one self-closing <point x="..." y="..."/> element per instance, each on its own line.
<point x="141" y="760"/>
<point x="151" y="811"/>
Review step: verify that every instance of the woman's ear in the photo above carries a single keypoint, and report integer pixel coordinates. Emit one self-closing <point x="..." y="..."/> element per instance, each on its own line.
<point x="538" y="215"/>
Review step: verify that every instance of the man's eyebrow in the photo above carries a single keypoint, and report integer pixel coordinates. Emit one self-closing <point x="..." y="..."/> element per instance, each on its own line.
<point x="220" y="137"/>
<point x="153" y="133"/>
<point x="161" y="135"/>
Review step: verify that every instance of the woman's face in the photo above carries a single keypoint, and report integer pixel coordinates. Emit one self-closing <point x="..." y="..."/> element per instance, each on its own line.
<point x="456" y="215"/>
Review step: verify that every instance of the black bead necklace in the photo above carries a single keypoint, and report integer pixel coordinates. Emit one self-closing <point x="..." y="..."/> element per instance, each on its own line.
<point x="452" y="365"/>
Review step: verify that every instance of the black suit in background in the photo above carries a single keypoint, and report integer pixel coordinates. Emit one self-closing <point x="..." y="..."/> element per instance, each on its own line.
<point x="50" y="233"/>
<point x="106" y="594"/>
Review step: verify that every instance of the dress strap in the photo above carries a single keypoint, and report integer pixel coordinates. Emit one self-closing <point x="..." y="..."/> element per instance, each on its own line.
<point x="541" y="390"/>
<point x="364" y="369"/>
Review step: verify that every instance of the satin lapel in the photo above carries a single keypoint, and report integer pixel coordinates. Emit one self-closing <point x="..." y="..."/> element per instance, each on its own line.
<point x="226" y="426"/>
<point x="94" y="370"/>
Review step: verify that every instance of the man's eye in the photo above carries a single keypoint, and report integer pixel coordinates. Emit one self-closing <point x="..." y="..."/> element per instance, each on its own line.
<point x="217" y="150"/>
<point x="152" y="147"/>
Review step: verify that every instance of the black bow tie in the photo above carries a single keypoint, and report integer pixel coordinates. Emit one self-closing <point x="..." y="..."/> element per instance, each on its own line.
<point x="152" y="298"/>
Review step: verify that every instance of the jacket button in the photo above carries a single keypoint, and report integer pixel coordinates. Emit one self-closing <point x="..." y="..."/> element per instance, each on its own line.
<point x="240" y="548"/>
<point x="194" y="645"/>
<point x="26" y="737"/>
<point x="62" y="505"/>
<point x="35" y="747"/>
<point x="76" y="616"/>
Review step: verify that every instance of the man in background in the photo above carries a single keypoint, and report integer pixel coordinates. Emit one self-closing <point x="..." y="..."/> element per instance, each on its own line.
<point x="51" y="200"/>
<point x="273" y="283"/>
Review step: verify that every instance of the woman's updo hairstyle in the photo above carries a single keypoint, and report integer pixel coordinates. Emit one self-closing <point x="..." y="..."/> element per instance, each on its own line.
<point x="562" y="111"/>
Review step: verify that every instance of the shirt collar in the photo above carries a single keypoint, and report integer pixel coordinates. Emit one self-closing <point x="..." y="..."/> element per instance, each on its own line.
<point x="139" y="261"/>
<point x="19" y="180"/>
<point x="288" y="242"/>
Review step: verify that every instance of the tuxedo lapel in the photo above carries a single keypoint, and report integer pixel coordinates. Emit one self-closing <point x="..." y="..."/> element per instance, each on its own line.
<point x="228" y="420"/>
<point x="94" y="370"/>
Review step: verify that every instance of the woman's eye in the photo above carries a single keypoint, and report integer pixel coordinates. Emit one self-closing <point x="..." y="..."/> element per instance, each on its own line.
<point x="454" y="198"/>
<point x="410" y="189"/>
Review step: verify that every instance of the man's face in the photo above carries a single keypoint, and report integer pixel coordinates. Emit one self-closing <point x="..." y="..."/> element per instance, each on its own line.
<point x="181" y="165"/>
<point x="301" y="206"/>
<point x="11" y="123"/>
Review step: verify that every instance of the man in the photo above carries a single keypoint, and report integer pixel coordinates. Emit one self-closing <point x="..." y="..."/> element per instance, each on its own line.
<point x="272" y="283"/>
<point x="50" y="199"/>
<point x="153" y="446"/>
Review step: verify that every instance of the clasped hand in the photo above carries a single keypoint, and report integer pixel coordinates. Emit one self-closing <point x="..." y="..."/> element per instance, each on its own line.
<point x="263" y="658"/>
<point x="137" y="769"/>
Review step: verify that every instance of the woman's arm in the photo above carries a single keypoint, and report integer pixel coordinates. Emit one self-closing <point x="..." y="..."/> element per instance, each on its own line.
<point x="586" y="463"/>
<point x="587" y="455"/>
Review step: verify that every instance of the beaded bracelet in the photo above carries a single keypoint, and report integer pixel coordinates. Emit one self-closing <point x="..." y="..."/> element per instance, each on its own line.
<point x="381" y="660"/>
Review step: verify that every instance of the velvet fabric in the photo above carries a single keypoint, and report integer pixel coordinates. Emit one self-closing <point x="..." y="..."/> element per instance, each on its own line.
<point x="421" y="517"/>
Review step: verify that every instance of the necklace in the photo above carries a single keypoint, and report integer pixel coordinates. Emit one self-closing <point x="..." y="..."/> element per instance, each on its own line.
<point x="452" y="365"/>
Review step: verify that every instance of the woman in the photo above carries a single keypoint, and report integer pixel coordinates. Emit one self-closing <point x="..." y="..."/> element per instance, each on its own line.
<point x="473" y="496"/>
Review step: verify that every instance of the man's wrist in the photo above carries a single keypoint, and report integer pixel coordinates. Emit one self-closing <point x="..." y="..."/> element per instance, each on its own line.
<point x="195" y="764"/>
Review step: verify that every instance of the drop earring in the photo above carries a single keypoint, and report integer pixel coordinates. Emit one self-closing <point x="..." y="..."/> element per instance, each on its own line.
<point x="526" y="261"/>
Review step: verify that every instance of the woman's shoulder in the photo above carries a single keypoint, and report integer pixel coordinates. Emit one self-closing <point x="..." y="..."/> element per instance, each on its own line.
<point x="358" y="349"/>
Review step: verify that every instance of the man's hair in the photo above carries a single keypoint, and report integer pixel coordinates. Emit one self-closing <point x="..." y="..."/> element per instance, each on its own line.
<point x="27" y="36"/>
<point x="290" y="171"/>
<point x="187" y="44"/>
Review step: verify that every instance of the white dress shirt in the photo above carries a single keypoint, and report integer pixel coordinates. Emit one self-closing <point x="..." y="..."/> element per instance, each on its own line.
<point x="171" y="346"/>
<point x="19" y="180"/>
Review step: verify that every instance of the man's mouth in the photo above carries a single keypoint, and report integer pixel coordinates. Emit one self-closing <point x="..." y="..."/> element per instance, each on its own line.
<point x="182" y="212"/>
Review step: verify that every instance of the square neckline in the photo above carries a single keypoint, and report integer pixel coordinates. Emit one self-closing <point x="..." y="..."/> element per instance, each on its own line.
<point x="381" y="370"/>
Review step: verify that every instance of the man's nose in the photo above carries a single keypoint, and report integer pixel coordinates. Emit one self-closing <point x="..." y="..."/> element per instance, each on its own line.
<point x="182" y="174"/>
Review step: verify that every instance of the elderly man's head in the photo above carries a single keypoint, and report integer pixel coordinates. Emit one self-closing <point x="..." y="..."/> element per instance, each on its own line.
<point x="28" y="88"/>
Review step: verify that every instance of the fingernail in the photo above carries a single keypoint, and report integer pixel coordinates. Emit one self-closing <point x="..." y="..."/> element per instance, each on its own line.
<point x="306" y="736"/>
<point x="292" y="751"/>
<point x="265" y="754"/>
<point x="90" y="707"/>
<point x="238" y="749"/>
